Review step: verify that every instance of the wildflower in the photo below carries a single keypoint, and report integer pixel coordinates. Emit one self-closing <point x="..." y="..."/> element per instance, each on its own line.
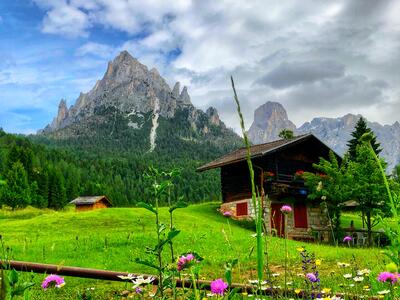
<point x="185" y="261"/>
<point x="51" y="280"/>
<point x="366" y="288"/>
<point x="318" y="262"/>
<point x="227" y="214"/>
<point x="347" y="239"/>
<point x="127" y="277"/>
<point x="363" y="272"/>
<point x="275" y="274"/>
<point x="387" y="276"/>
<point x="347" y="276"/>
<point x="300" y="249"/>
<point x="312" y="277"/>
<point x="384" y="292"/>
<point x="343" y="265"/>
<point x="358" y="278"/>
<point x="138" y="290"/>
<point x="218" y="287"/>
<point x="140" y="280"/>
<point x="326" y="290"/>
<point x="286" y="209"/>
<point x="297" y="291"/>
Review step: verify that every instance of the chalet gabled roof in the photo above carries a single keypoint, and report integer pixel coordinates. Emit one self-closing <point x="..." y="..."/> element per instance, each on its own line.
<point x="88" y="200"/>
<point x="257" y="151"/>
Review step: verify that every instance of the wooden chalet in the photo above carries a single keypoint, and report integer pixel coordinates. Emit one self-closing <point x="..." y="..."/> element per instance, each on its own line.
<point x="278" y="167"/>
<point x="91" y="202"/>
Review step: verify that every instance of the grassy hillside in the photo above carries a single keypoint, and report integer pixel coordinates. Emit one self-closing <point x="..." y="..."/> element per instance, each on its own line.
<point x="112" y="238"/>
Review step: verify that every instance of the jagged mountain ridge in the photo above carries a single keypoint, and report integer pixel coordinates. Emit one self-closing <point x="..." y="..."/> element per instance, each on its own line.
<point x="335" y="132"/>
<point x="139" y="96"/>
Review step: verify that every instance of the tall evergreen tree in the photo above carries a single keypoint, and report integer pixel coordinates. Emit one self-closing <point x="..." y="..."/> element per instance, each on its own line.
<point x="361" y="128"/>
<point x="57" y="193"/>
<point x="286" y="134"/>
<point x="17" y="192"/>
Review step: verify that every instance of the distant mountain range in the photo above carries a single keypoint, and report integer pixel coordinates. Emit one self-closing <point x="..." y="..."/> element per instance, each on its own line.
<point x="271" y="117"/>
<point x="140" y="102"/>
<point x="132" y="108"/>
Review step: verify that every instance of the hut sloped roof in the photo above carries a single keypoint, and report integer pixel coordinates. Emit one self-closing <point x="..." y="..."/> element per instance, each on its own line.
<point x="88" y="200"/>
<point x="256" y="151"/>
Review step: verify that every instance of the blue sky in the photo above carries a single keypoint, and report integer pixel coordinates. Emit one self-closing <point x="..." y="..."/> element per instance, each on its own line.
<point x="316" y="58"/>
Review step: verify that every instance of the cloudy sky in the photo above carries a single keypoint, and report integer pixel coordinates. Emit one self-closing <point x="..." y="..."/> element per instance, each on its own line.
<point x="318" y="58"/>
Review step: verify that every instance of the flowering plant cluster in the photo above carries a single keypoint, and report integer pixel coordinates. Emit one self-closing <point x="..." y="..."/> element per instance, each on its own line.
<point x="186" y="261"/>
<point x="218" y="287"/>
<point x="286" y="209"/>
<point x="311" y="275"/>
<point x="299" y="173"/>
<point x="388" y="277"/>
<point x="53" y="281"/>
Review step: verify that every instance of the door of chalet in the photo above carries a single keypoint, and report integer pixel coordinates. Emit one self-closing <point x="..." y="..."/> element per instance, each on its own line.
<point x="277" y="219"/>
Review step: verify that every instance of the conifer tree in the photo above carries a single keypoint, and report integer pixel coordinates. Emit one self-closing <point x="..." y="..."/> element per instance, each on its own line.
<point x="17" y="193"/>
<point x="361" y="128"/>
<point x="57" y="193"/>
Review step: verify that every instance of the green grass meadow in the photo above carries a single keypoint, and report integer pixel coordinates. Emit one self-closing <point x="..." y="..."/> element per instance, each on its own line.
<point x="112" y="238"/>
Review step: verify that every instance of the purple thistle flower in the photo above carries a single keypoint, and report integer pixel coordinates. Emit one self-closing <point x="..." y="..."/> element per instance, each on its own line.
<point x="218" y="287"/>
<point x="185" y="261"/>
<point x="286" y="209"/>
<point x="312" y="277"/>
<point x="53" y="280"/>
<point x="347" y="239"/>
<point x="387" y="276"/>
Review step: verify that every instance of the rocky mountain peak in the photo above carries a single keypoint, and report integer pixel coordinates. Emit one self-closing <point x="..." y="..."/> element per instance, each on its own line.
<point x="124" y="68"/>
<point x="212" y="113"/>
<point x="184" y="97"/>
<point x="269" y="120"/>
<point x="175" y="90"/>
<point x="62" y="114"/>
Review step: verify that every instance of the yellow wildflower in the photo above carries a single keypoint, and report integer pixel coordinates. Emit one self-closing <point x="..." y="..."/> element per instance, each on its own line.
<point x="297" y="291"/>
<point x="326" y="290"/>
<point x="318" y="262"/>
<point x="300" y="249"/>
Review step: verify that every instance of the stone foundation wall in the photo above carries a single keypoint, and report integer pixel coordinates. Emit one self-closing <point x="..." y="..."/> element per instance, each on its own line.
<point x="315" y="217"/>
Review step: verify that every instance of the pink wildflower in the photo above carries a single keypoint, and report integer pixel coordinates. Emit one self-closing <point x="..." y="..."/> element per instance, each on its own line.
<point x="227" y="214"/>
<point x="218" y="287"/>
<point x="53" y="280"/>
<point x="286" y="209"/>
<point x="185" y="261"/>
<point x="312" y="277"/>
<point x="387" y="276"/>
<point x="347" y="239"/>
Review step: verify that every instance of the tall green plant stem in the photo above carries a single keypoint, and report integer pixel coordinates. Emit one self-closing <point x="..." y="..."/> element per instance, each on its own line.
<point x="171" y="224"/>
<point x="393" y="207"/>
<point x="255" y="201"/>
<point x="159" y="249"/>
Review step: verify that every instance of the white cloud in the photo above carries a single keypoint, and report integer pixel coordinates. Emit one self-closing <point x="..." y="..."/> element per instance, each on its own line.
<point x="96" y="49"/>
<point x="251" y="39"/>
<point x="66" y="20"/>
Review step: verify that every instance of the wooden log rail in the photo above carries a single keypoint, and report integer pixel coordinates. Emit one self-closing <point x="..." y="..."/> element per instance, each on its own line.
<point x="24" y="266"/>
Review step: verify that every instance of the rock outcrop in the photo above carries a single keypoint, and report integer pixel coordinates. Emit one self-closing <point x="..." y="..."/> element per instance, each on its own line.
<point x="269" y="120"/>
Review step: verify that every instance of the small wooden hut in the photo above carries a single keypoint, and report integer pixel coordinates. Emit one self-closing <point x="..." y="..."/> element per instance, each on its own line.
<point x="278" y="167"/>
<point x="91" y="202"/>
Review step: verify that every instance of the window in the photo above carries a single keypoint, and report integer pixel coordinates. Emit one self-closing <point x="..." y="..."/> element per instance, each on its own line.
<point x="241" y="209"/>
